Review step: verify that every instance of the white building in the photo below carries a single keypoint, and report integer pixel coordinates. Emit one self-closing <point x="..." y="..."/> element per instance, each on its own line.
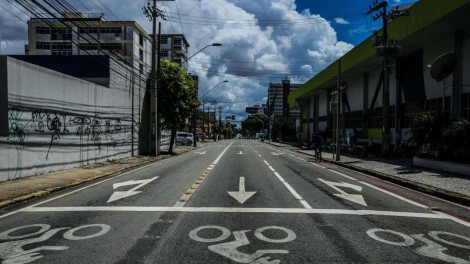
<point x="88" y="34"/>
<point x="174" y="47"/>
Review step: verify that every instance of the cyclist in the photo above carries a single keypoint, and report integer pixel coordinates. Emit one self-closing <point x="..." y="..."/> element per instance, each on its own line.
<point x="317" y="141"/>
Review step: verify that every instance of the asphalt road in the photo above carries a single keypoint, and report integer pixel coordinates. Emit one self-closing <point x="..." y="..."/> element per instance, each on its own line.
<point x="239" y="201"/>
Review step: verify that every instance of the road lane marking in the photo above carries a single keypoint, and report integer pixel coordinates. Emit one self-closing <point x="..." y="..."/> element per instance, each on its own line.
<point x="234" y="210"/>
<point x="292" y="191"/>
<point x="395" y="195"/>
<point x="117" y="195"/>
<point x="341" y="174"/>
<point x="185" y="197"/>
<point x="241" y="196"/>
<point x="356" y="198"/>
<point x="271" y="168"/>
<point x="265" y="162"/>
<point x="83" y="188"/>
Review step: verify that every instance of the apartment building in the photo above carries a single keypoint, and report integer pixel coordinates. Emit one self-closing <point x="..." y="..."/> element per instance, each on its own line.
<point x="90" y="34"/>
<point x="174" y="47"/>
<point x="277" y="98"/>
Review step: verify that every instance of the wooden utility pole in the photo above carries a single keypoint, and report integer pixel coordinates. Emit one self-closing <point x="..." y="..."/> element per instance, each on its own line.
<point x="387" y="51"/>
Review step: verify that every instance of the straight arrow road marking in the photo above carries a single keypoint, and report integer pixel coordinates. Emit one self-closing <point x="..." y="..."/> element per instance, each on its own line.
<point x="201" y="153"/>
<point x="117" y="195"/>
<point x="241" y="196"/>
<point x="356" y="198"/>
<point x="241" y="153"/>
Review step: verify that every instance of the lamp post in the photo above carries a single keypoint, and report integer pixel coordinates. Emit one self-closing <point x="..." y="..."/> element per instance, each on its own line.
<point x="210" y="45"/>
<point x="195" y="110"/>
<point x="214" y="103"/>
<point x="203" y="102"/>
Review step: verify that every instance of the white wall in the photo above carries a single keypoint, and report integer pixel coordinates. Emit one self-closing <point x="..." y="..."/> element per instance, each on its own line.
<point x="58" y="122"/>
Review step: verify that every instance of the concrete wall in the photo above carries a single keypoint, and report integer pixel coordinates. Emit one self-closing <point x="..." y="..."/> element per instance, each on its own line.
<point x="57" y="122"/>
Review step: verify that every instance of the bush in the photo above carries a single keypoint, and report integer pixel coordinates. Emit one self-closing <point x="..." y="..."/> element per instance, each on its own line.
<point x="456" y="142"/>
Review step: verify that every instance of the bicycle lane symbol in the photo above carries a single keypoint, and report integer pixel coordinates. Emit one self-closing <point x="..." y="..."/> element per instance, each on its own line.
<point x="430" y="248"/>
<point x="12" y="250"/>
<point x="230" y="249"/>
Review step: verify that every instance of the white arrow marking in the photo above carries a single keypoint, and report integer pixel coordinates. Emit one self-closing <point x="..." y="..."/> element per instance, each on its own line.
<point x="277" y="153"/>
<point x="241" y="196"/>
<point x="356" y="198"/>
<point x="240" y="153"/>
<point x="123" y="194"/>
<point x="201" y="153"/>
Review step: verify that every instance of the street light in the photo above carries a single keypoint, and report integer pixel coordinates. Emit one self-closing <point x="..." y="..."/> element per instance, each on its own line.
<point x="194" y="123"/>
<point x="210" y="45"/>
<point x="203" y="103"/>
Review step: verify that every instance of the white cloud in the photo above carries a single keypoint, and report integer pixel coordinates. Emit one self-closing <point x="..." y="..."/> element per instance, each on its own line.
<point x="255" y="50"/>
<point x="342" y="21"/>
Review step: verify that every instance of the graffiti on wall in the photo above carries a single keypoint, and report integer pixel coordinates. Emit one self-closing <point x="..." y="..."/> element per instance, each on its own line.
<point x="55" y="124"/>
<point x="89" y="129"/>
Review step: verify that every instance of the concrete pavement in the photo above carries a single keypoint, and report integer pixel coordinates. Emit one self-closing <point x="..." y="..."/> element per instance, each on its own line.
<point x="401" y="171"/>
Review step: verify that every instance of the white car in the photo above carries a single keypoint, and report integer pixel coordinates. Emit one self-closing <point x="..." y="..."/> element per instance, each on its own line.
<point x="184" y="138"/>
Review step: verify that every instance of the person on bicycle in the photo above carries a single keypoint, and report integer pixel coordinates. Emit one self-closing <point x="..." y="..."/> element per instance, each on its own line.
<point x="317" y="141"/>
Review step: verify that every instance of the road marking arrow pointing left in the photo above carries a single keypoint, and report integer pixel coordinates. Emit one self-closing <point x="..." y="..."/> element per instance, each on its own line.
<point x="241" y="196"/>
<point x="117" y="195"/>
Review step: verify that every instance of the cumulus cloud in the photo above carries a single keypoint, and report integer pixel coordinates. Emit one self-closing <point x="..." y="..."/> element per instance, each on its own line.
<point x="342" y="21"/>
<point x="263" y="41"/>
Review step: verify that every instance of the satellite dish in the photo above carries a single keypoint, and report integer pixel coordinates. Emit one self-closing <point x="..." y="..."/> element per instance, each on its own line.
<point x="443" y="66"/>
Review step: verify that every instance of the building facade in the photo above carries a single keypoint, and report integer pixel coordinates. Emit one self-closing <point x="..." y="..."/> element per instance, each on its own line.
<point x="174" y="48"/>
<point x="89" y="34"/>
<point x="277" y="98"/>
<point x="432" y="28"/>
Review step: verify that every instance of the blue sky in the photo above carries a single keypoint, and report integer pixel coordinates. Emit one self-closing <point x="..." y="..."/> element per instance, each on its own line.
<point x="358" y="26"/>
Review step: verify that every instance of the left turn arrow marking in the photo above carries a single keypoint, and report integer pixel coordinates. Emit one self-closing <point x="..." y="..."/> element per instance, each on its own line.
<point x="117" y="195"/>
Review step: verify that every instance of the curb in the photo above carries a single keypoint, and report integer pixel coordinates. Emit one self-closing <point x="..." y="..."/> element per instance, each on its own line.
<point x="441" y="193"/>
<point x="48" y="191"/>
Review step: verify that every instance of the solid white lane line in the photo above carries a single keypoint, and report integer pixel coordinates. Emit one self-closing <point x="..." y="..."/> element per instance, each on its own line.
<point x="233" y="210"/>
<point x="291" y="190"/>
<point x="81" y="189"/>
<point x="259" y="155"/>
<point x="395" y="195"/>
<point x="313" y="163"/>
<point x="453" y="218"/>
<point x="301" y="158"/>
<point x="265" y="162"/>
<point x="271" y="168"/>
<point x="221" y="154"/>
<point x="344" y="175"/>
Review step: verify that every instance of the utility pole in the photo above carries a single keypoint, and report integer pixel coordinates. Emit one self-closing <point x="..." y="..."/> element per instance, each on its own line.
<point x="386" y="51"/>
<point x="152" y="13"/>
<point x="338" y="113"/>
<point x="214" y="103"/>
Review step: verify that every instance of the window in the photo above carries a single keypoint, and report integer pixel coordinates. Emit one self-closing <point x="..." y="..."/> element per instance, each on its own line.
<point x="61" y="46"/>
<point x="111" y="46"/>
<point x="43" y="45"/>
<point x="43" y="30"/>
<point x="164" y="40"/>
<point x="61" y="34"/>
<point x="111" y="30"/>
<point x="164" y="54"/>
<point x="88" y="30"/>
<point x="141" y="40"/>
<point x="88" y="46"/>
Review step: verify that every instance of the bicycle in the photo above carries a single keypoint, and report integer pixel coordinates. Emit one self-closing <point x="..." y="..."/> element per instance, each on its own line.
<point x="318" y="154"/>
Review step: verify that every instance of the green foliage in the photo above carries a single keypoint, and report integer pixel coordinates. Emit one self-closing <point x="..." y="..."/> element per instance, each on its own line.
<point x="176" y="96"/>
<point x="425" y="130"/>
<point x="456" y="141"/>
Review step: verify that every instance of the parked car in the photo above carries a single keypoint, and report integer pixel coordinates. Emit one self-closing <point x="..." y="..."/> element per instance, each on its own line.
<point x="184" y="138"/>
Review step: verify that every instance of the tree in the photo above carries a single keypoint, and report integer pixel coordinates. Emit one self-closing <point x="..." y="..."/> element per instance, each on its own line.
<point x="176" y="98"/>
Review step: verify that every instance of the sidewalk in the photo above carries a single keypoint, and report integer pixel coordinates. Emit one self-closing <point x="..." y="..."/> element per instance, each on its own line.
<point x="401" y="171"/>
<point x="27" y="188"/>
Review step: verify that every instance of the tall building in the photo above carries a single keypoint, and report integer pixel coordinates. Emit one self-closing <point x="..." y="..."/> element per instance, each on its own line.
<point x="277" y="98"/>
<point x="174" y="47"/>
<point x="89" y="34"/>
